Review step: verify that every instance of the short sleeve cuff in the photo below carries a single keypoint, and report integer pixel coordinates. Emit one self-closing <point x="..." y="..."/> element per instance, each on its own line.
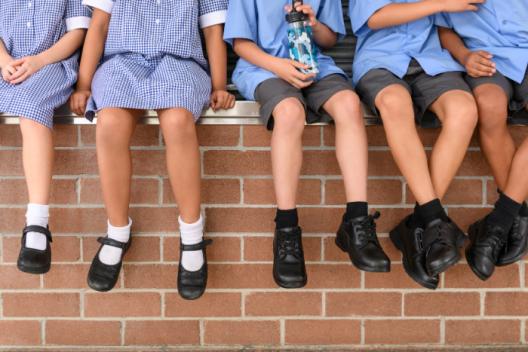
<point x="77" y="22"/>
<point x="442" y="20"/>
<point x="359" y="25"/>
<point x="212" y="18"/>
<point x="104" y="5"/>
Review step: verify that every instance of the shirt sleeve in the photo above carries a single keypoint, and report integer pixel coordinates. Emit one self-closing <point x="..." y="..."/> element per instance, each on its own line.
<point x="360" y="11"/>
<point x="442" y="19"/>
<point x="212" y="12"/>
<point x="331" y="15"/>
<point x="104" y="5"/>
<point x="241" y="21"/>
<point x="77" y="15"/>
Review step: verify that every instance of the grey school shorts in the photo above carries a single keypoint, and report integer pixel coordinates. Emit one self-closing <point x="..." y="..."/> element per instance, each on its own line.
<point x="424" y="89"/>
<point x="517" y="93"/>
<point x="272" y="91"/>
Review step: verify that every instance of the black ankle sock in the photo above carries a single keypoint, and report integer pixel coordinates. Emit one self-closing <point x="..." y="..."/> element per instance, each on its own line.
<point x="524" y="209"/>
<point x="505" y="212"/>
<point x="416" y="221"/>
<point x="432" y="210"/>
<point x="356" y="209"/>
<point x="287" y="218"/>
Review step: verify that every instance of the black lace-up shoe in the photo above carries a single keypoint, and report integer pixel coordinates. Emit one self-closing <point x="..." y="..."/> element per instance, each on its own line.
<point x="516" y="246"/>
<point x="358" y="238"/>
<point x="103" y="277"/>
<point x="192" y="284"/>
<point x="485" y="243"/>
<point x="289" y="270"/>
<point x="35" y="261"/>
<point x="410" y="243"/>
<point x="442" y="243"/>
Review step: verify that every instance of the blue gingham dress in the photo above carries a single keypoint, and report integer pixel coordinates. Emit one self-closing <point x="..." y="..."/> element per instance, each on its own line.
<point x="27" y="28"/>
<point x="153" y="58"/>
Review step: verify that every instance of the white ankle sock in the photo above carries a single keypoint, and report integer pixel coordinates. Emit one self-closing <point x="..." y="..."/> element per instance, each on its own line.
<point x="110" y="255"/>
<point x="37" y="214"/>
<point x="192" y="234"/>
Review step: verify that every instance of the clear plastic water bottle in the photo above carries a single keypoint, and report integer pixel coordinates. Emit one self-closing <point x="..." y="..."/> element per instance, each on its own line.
<point x="300" y="38"/>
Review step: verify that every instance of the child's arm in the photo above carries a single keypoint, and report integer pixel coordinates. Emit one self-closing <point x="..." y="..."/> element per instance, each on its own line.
<point x="216" y="48"/>
<point x="64" y="48"/>
<point x="396" y="14"/>
<point x="323" y="35"/>
<point x="477" y="63"/>
<point x="5" y="63"/>
<point x="92" y="53"/>
<point x="283" y="68"/>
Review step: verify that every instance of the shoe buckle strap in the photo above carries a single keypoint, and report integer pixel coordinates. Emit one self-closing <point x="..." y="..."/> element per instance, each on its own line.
<point x="111" y="242"/>
<point x="196" y="247"/>
<point x="39" y="229"/>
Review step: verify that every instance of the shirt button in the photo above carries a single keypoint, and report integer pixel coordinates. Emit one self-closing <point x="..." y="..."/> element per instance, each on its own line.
<point x="504" y="22"/>
<point x="157" y="21"/>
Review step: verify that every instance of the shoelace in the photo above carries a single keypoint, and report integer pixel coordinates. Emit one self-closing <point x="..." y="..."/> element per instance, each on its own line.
<point x="366" y="229"/>
<point x="290" y="243"/>
<point x="438" y="235"/>
<point x="495" y="237"/>
<point x="418" y="242"/>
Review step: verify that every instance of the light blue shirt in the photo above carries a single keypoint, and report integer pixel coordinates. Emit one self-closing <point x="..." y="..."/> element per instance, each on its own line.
<point x="263" y="22"/>
<point x="393" y="48"/>
<point x="499" y="27"/>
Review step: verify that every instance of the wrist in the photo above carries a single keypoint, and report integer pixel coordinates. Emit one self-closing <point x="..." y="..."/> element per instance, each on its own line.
<point x="440" y="6"/>
<point x="465" y="57"/>
<point x="43" y="59"/>
<point x="5" y="60"/>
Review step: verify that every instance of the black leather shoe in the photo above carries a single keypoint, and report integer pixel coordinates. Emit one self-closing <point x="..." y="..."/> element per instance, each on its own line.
<point x="358" y="238"/>
<point x="410" y="243"/>
<point x="289" y="270"/>
<point x="103" y="277"/>
<point x="442" y="243"/>
<point x="485" y="244"/>
<point x="35" y="261"/>
<point x="192" y="284"/>
<point x="516" y="246"/>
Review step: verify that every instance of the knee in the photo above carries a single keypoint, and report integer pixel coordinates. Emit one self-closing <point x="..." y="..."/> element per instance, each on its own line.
<point x="348" y="109"/>
<point x="108" y="133"/>
<point x="31" y="128"/>
<point x="492" y="114"/>
<point x="395" y="109"/>
<point x="462" y="116"/>
<point x="289" y="117"/>
<point x="179" y="129"/>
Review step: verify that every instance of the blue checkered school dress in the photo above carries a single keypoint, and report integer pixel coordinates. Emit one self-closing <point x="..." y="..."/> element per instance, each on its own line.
<point x="27" y="28"/>
<point x="153" y="57"/>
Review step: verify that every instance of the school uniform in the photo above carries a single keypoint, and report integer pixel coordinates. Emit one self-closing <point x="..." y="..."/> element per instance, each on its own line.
<point x="28" y="28"/>
<point x="153" y="58"/>
<point x="499" y="27"/>
<point x="264" y="23"/>
<point x="409" y="55"/>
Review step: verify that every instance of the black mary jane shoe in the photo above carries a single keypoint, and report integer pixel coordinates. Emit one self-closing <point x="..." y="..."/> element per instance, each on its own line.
<point x="35" y="261"/>
<point x="192" y="284"/>
<point x="442" y="242"/>
<point x="289" y="269"/>
<point x="103" y="277"/>
<point x="516" y="246"/>
<point x="358" y="238"/>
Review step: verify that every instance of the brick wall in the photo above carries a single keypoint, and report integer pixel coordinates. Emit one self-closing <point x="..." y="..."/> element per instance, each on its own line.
<point x="339" y="306"/>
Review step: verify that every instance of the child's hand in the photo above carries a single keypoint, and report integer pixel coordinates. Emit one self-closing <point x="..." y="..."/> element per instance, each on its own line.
<point x="306" y="9"/>
<point x="7" y="72"/>
<point x="221" y="99"/>
<point x="287" y="70"/>
<point x="478" y="64"/>
<point x="78" y="101"/>
<point x="26" y="67"/>
<point x="460" y="5"/>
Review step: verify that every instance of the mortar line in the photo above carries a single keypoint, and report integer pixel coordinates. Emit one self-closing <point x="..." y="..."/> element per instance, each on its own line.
<point x="43" y="332"/>
<point x="362" y="341"/>
<point x="242" y="249"/>
<point x="322" y="248"/>
<point x="202" y="333"/>
<point x="1" y="247"/>
<point x="323" y="191"/>
<point x="123" y="327"/>
<point x="241" y="137"/>
<point x="523" y="332"/>
<point x="79" y="139"/>
<point x="241" y="179"/>
<point x="282" y="332"/>
<point x="403" y="305"/>
<point x="162" y="303"/>
<point x="484" y="192"/>
<point x="442" y="330"/>
<point x="482" y="304"/>
<point x="160" y="190"/>
<point x="162" y="241"/>
<point x="323" y="301"/>
<point x="81" y="304"/>
<point x="78" y="190"/>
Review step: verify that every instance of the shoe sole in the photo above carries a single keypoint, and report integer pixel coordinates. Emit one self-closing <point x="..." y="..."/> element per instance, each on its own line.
<point x="472" y="232"/>
<point x="516" y="259"/>
<point x="461" y="241"/>
<point x="33" y="271"/>
<point x="372" y="269"/>
<point x="396" y="240"/>
<point x="290" y="285"/>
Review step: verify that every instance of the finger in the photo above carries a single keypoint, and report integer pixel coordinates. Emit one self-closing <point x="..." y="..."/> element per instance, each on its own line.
<point x="484" y="68"/>
<point x="476" y="74"/>
<point x="288" y="8"/>
<point x="20" y="72"/>
<point x="19" y="62"/>
<point x="298" y="64"/>
<point x="472" y="8"/>
<point x="485" y="62"/>
<point x="303" y="76"/>
<point x="303" y="84"/>
<point x="233" y="102"/>
<point x="82" y="106"/>
<point x="485" y="54"/>
<point x="11" y="70"/>
<point x="21" y="79"/>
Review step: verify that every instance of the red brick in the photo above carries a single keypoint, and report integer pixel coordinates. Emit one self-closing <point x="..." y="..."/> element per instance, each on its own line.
<point x="151" y="219"/>
<point x="64" y="249"/>
<point x="353" y="304"/>
<point x="491" y="193"/>
<point x="78" y="220"/>
<point x="381" y="163"/>
<point x="482" y="331"/>
<point x="399" y="331"/>
<point x="239" y="219"/>
<point x="223" y="249"/>
<point x="41" y="304"/>
<point x="227" y="136"/>
<point x="20" y="332"/>
<point x="379" y="192"/>
<point x="241" y="276"/>
<point x="258" y="136"/>
<point x="262" y="191"/>
<point x="149" y="162"/>
<point x="323" y="332"/>
<point x="260" y="249"/>
<point x="320" y="162"/>
<point x="143" y="249"/>
<point x="144" y="135"/>
<point x="83" y="333"/>
<point x="283" y="303"/>
<point x="442" y="303"/>
<point x="128" y="304"/>
<point x="151" y="276"/>
<point x="14" y="279"/>
<point x="464" y="217"/>
<point x="397" y="278"/>
<point x="12" y="220"/>
<point x="375" y="136"/>
<point x="461" y="191"/>
<point x="67" y="276"/>
<point x="65" y="135"/>
<point x="10" y="136"/>
<point x="461" y="276"/>
<point x="11" y="163"/>
<point x="15" y="192"/>
<point x="235" y="162"/>
<point x="75" y="162"/>
<point x="146" y="332"/>
<point x="214" y="191"/>
<point x="241" y="332"/>
<point x="329" y="276"/>
<point x="144" y="191"/>
<point x="334" y="254"/>
<point x="218" y="304"/>
<point x="518" y="134"/>
<point x="506" y="303"/>
<point x="474" y="165"/>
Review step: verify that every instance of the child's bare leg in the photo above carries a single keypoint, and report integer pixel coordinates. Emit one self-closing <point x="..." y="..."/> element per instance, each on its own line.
<point x="458" y="113"/>
<point x="517" y="186"/>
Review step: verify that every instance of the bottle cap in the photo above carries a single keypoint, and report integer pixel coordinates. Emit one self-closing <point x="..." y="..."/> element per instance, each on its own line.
<point x="294" y="15"/>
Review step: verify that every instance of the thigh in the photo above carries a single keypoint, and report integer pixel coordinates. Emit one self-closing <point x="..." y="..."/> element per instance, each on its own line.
<point x="320" y="92"/>
<point x="428" y="89"/>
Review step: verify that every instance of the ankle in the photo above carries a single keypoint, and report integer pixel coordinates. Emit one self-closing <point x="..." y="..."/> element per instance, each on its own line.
<point x="287" y="218"/>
